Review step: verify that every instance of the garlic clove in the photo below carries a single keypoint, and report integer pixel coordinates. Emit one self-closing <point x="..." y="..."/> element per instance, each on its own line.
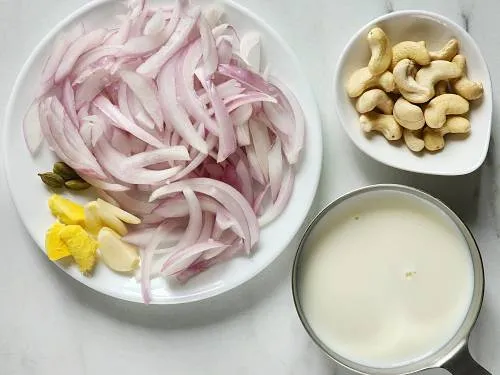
<point x="115" y="253"/>
<point x="123" y="215"/>
<point x="109" y="219"/>
<point x="92" y="219"/>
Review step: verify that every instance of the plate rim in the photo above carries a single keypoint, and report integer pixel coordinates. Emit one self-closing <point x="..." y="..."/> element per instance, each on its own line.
<point x="225" y="287"/>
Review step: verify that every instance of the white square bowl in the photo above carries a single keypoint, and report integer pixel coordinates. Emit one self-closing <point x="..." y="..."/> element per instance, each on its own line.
<point x="460" y="155"/>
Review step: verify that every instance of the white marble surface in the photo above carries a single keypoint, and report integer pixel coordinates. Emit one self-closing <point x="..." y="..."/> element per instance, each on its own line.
<point x="50" y="325"/>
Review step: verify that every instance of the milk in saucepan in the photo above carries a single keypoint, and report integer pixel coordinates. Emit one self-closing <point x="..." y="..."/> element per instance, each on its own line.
<point x="386" y="280"/>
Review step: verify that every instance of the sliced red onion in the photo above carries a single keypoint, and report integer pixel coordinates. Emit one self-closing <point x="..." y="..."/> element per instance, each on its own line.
<point x="225" y="89"/>
<point x="241" y="115"/>
<point x="106" y="63"/>
<point x="178" y="207"/>
<point x="210" y="57"/>
<point x="298" y="115"/>
<point x="60" y="47"/>
<point x="204" y="264"/>
<point x="136" y="8"/>
<point x="228" y="36"/>
<point x="105" y="196"/>
<point x="224" y="51"/>
<point x="122" y="122"/>
<point x="227" y="137"/>
<point x="245" y="180"/>
<point x="144" y="44"/>
<point x="152" y="66"/>
<point x="81" y="45"/>
<point x="107" y="186"/>
<point x="91" y="87"/>
<point x="275" y="162"/>
<point x="261" y="144"/>
<point x="181" y="260"/>
<point x="224" y="220"/>
<point x="255" y="168"/>
<point x="208" y="226"/>
<point x="236" y="101"/>
<point x="119" y="140"/>
<point x="64" y="137"/>
<point x="173" y="112"/>
<point x="31" y="129"/>
<point x="123" y="100"/>
<point x="165" y="10"/>
<point x="247" y="78"/>
<point x="115" y="163"/>
<point x="156" y="23"/>
<point x="282" y="199"/>
<point x="195" y="162"/>
<point x="193" y="229"/>
<point x="229" y="197"/>
<point x="139" y="115"/>
<point x="243" y="134"/>
<point x="91" y="129"/>
<point x="250" y="49"/>
<point x="259" y="199"/>
<point x="213" y="13"/>
<point x="83" y="112"/>
<point x="68" y="101"/>
<point x="134" y="203"/>
<point x="146" y="259"/>
<point x="147" y="158"/>
<point x="147" y="93"/>
<point x="121" y="36"/>
<point x="185" y="87"/>
<point x="138" y="16"/>
<point x="86" y="132"/>
<point x="97" y="56"/>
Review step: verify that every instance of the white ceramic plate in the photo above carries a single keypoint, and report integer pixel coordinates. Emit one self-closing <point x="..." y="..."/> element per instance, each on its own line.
<point x="460" y="156"/>
<point x="30" y="195"/>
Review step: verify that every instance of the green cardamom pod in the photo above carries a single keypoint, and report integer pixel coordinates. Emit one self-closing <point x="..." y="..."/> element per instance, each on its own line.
<point x="76" y="184"/>
<point x="51" y="179"/>
<point x="65" y="171"/>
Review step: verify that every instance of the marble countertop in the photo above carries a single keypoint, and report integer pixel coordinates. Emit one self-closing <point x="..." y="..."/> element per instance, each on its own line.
<point x="51" y="325"/>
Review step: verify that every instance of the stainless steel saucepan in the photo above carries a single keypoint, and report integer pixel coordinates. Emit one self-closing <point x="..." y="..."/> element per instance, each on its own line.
<point x="454" y="355"/>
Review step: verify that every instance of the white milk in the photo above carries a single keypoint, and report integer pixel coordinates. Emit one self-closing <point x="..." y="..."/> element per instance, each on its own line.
<point x="386" y="279"/>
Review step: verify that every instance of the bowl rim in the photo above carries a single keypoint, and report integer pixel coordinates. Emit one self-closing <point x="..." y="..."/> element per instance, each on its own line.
<point x="337" y="82"/>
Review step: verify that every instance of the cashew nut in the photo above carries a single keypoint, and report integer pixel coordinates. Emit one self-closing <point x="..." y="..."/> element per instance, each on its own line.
<point x="447" y="52"/>
<point x="434" y="138"/>
<point x="391" y="89"/>
<point x="429" y="75"/>
<point x="404" y="72"/>
<point x="408" y="115"/>
<point x="372" y="99"/>
<point x="384" y="124"/>
<point x="441" y="88"/>
<point x="362" y="80"/>
<point x="381" y="51"/>
<point x="413" y="139"/>
<point x="470" y="90"/>
<point x="415" y="51"/>
<point x="440" y="106"/>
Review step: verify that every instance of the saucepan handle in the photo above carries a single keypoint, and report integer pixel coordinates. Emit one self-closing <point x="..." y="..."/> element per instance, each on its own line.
<point x="462" y="363"/>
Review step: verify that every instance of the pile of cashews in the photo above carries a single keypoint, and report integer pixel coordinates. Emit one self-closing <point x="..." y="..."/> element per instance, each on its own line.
<point x="409" y="92"/>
